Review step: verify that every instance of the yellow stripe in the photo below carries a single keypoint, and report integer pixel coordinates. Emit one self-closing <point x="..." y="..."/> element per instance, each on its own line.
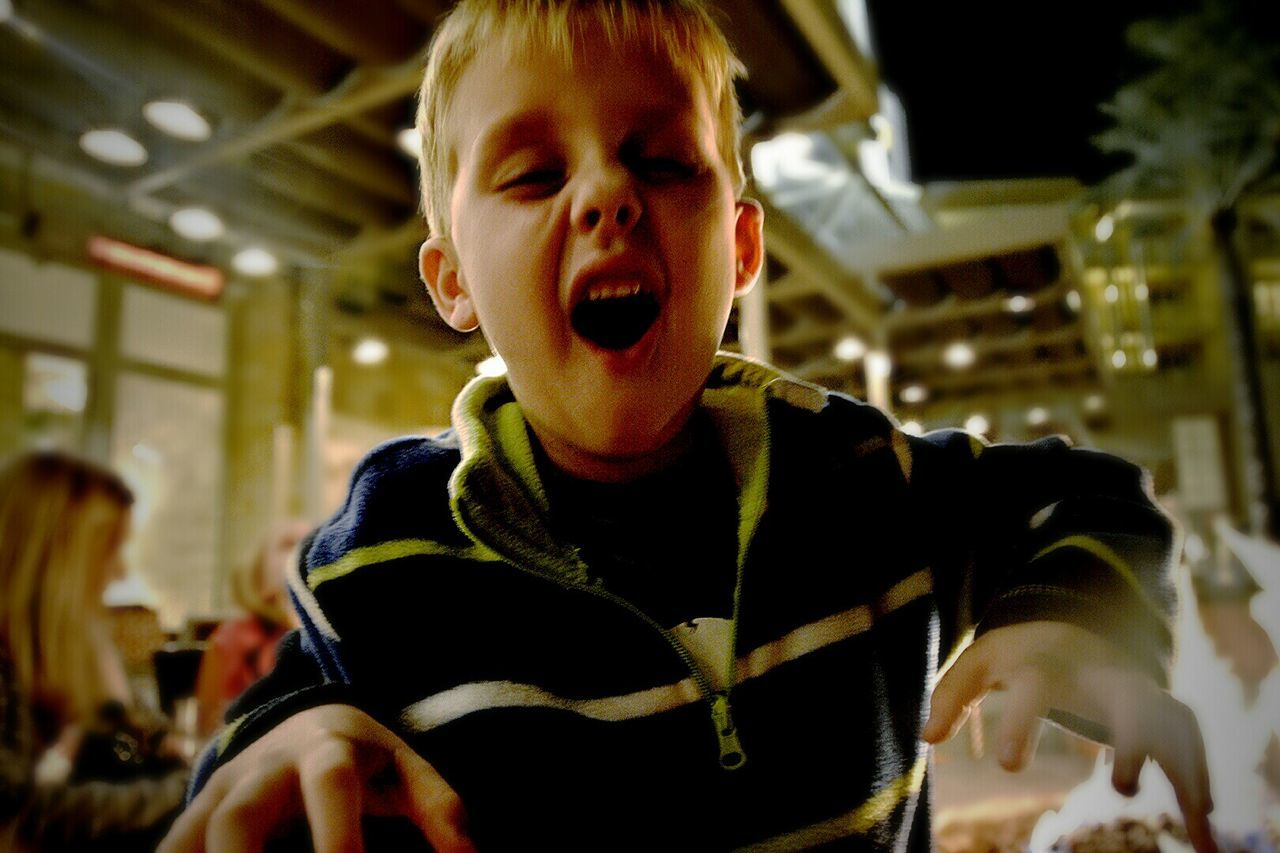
<point x="860" y="821"/>
<point x="1112" y="559"/>
<point x="224" y="738"/>
<point x="395" y="549"/>
<point x="902" y="449"/>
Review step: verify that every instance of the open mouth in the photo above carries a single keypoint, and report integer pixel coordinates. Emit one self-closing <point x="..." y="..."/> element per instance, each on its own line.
<point x="615" y="318"/>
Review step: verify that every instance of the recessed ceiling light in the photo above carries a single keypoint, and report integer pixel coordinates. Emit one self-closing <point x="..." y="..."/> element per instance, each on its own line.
<point x="958" y="355"/>
<point x="878" y="365"/>
<point x="1019" y="304"/>
<point x="977" y="424"/>
<point x="1118" y="359"/>
<point x="1094" y="403"/>
<point x="913" y="394"/>
<point x="178" y="119"/>
<point x="1038" y="416"/>
<point x="1111" y="294"/>
<point x="1141" y="292"/>
<point x="410" y="142"/>
<point x="850" y="348"/>
<point x="370" y="351"/>
<point x="255" y="261"/>
<point x="113" y="146"/>
<point x="197" y="223"/>
<point x="6" y="10"/>
<point x="1149" y="358"/>
<point x="1104" y="229"/>
<point x="912" y="428"/>
<point x="1073" y="300"/>
<point x="492" y="366"/>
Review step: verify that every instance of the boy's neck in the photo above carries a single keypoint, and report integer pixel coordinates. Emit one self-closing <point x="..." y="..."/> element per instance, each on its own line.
<point x="583" y="465"/>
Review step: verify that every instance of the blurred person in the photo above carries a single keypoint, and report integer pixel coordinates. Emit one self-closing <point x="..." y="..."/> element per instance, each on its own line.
<point x="80" y="769"/>
<point x="242" y="650"/>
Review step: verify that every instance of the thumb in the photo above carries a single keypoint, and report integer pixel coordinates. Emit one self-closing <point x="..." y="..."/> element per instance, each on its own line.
<point x="960" y="688"/>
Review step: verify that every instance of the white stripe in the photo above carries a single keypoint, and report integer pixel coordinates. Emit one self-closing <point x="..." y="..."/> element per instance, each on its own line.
<point x="457" y="702"/>
<point x="306" y="597"/>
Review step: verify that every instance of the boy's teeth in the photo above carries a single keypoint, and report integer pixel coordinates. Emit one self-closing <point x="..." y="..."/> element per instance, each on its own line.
<point x="613" y="291"/>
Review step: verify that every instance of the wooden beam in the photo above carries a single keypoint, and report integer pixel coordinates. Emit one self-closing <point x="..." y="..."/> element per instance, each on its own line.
<point x="826" y="33"/>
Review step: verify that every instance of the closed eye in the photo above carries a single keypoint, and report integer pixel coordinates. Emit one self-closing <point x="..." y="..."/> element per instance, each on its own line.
<point x="665" y="169"/>
<point x="534" y="181"/>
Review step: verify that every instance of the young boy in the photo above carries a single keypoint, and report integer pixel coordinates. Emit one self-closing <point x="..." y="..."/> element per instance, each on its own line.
<point x="648" y="596"/>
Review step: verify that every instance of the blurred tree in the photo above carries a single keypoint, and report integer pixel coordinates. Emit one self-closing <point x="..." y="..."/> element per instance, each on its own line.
<point x="1204" y="125"/>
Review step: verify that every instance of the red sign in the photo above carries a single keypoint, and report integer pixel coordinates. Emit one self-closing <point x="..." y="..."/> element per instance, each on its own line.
<point x="187" y="278"/>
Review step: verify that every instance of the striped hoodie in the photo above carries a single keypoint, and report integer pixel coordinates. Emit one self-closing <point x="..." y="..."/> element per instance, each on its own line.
<point x="437" y="600"/>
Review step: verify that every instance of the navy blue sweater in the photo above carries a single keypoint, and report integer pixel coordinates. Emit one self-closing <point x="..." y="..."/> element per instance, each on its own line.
<point x="438" y="600"/>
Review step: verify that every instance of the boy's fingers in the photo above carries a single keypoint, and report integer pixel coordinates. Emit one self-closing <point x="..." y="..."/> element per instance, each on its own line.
<point x="1180" y="753"/>
<point x="252" y="809"/>
<point x="1025" y="704"/>
<point x="431" y="804"/>
<point x="332" y="797"/>
<point x="964" y="684"/>
<point x="186" y="835"/>
<point x="1129" y="754"/>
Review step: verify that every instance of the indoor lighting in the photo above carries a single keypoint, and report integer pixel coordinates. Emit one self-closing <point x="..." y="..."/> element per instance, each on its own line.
<point x="958" y="355"/>
<point x="255" y="261"/>
<point x="1141" y="292"/>
<point x="1111" y="294"/>
<point x="1104" y="229"/>
<point x="410" y="142"/>
<point x="370" y="351"/>
<point x="878" y="365"/>
<point x="912" y="428"/>
<point x="1073" y="300"/>
<point x="913" y="394"/>
<point x="179" y="120"/>
<point x="6" y="10"/>
<point x="977" y="424"/>
<point x="1094" y="403"/>
<point x="492" y="366"/>
<point x="113" y="146"/>
<point x="197" y="223"/>
<point x="1019" y="304"/>
<point x="1118" y="359"/>
<point x="1039" y="416"/>
<point x="1149" y="358"/>
<point x="850" y="348"/>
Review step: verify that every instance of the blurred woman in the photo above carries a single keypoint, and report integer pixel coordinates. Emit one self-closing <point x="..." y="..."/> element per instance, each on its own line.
<point x="240" y="651"/>
<point x="63" y="522"/>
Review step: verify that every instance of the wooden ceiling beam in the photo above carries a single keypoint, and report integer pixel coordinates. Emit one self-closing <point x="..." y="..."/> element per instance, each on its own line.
<point x="822" y="27"/>
<point x="379" y="34"/>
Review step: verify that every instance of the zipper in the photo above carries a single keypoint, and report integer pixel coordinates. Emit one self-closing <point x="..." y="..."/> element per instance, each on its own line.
<point x="732" y="755"/>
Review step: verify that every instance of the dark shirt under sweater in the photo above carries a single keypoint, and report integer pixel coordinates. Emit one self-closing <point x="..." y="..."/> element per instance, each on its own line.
<point x="666" y="542"/>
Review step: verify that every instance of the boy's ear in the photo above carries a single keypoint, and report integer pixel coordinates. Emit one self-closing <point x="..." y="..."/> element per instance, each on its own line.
<point x="748" y="245"/>
<point x="441" y="273"/>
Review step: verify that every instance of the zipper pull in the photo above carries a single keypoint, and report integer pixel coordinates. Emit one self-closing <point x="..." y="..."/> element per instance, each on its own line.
<point x="731" y="755"/>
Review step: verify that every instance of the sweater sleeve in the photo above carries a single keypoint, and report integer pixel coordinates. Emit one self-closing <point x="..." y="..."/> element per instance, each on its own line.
<point x="1046" y="531"/>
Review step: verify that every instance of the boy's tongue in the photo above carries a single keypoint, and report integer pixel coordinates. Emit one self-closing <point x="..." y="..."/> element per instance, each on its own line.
<point x="615" y="322"/>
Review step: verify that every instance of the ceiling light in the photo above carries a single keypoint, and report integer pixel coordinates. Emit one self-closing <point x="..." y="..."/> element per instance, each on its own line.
<point x="1149" y="358"/>
<point x="1094" y="403"/>
<point x="1111" y="294"/>
<point x="197" y="223"/>
<point x="1039" y="416"/>
<point x="178" y="119"/>
<point x="113" y="146"/>
<point x="977" y="424"/>
<point x="1073" y="300"/>
<point x="410" y="142"/>
<point x="1104" y="229"/>
<point x="1141" y="292"/>
<point x="255" y="261"/>
<point x="492" y="366"/>
<point x="850" y="348"/>
<point x="958" y="355"/>
<point x="6" y="10"/>
<point x="912" y="428"/>
<point x="370" y="351"/>
<point x="1118" y="359"/>
<point x="1019" y="304"/>
<point x="913" y="394"/>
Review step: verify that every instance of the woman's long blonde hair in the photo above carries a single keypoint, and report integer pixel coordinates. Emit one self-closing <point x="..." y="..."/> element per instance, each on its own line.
<point x="61" y="523"/>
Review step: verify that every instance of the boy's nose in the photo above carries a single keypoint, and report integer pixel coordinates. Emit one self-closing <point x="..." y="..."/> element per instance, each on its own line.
<point x="607" y="207"/>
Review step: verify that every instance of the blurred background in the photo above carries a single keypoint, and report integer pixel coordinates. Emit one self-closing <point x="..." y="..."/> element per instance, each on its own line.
<point x="1013" y="219"/>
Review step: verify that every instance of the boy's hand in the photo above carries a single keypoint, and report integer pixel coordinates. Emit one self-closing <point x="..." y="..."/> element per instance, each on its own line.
<point x="331" y="765"/>
<point x="1053" y="665"/>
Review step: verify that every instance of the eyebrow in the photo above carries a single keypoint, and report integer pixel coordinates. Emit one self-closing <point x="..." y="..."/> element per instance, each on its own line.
<point x="520" y="128"/>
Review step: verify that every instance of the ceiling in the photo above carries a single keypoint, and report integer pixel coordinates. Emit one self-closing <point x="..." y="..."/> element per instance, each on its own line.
<point x="306" y="98"/>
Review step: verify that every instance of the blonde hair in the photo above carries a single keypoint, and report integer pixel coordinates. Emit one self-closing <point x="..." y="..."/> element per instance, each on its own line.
<point x="61" y="519"/>
<point x="681" y="31"/>
<point x="250" y="580"/>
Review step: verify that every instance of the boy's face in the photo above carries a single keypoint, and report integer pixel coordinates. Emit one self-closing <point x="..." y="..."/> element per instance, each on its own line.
<point x="595" y="240"/>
